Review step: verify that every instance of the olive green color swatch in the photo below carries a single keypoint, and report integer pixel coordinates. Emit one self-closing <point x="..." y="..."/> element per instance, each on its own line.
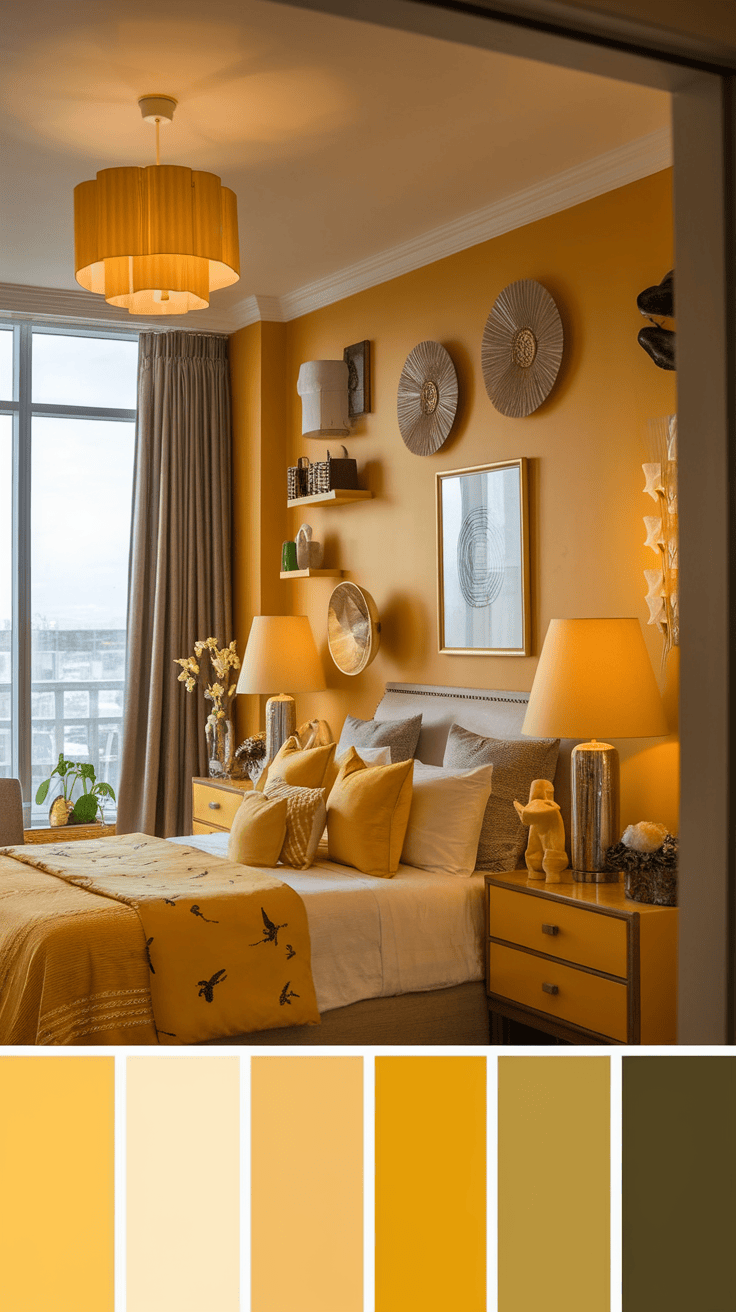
<point x="679" y="1184"/>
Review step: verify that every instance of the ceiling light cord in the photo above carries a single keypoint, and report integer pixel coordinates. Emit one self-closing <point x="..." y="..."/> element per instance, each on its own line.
<point x="158" y="152"/>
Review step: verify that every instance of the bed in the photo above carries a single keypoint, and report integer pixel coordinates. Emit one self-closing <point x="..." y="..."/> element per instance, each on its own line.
<point x="394" y="961"/>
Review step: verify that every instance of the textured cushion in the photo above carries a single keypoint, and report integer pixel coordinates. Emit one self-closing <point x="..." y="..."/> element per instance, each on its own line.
<point x="306" y="817"/>
<point x="303" y="766"/>
<point x="516" y="763"/>
<point x="367" y="815"/>
<point x="447" y="810"/>
<point x="401" y="736"/>
<point x="258" y="831"/>
<point x="370" y="756"/>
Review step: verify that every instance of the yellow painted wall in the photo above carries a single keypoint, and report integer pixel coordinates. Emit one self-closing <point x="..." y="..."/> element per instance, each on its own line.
<point x="257" y="370"/>
<point x="585" y="447"/>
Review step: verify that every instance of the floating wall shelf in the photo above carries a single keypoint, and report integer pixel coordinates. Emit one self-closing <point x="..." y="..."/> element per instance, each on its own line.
<point x="339" y="497"/>
<point x="310" y="574"/>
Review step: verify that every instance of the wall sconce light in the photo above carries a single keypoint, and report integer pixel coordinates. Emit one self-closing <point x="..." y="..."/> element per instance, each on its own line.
<point x="323" y="387"/>
<point x="662" y="532"/>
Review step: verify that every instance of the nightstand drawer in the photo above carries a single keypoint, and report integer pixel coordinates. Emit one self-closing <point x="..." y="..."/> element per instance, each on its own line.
<point x="198" y="827"/>
<point x="583" y="936"/>
<point x="580" y="998"/>
<point x="214" y="806"/>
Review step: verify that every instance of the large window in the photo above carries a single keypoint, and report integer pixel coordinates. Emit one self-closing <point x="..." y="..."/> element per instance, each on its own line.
<point x="67" y="425"/>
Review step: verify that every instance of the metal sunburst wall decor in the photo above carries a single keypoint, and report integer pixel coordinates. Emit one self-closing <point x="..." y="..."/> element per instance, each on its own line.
<point x="521" y="349"/>
<point x="427" y="399"/>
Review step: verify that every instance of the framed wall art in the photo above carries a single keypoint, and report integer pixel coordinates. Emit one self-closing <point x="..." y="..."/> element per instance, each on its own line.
<point x="483" y="561"/>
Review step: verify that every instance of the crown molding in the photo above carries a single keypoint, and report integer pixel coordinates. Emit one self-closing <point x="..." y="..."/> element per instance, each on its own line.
<point x="59" y="304"/>
<point x="615" y="168"/>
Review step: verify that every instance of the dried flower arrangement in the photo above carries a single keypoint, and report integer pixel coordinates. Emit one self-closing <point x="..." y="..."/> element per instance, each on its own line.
<point x="219" y="690"/>
<point x="647" y="854"/>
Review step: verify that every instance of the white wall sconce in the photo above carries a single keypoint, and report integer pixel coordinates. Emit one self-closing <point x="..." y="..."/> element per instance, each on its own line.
<point x="662" y="532"/>
<point x="323" y="387"/>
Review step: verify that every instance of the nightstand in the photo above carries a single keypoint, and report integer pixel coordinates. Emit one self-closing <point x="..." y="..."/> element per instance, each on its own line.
<point x="580" y="961"/>
<point x="214" y="803"/>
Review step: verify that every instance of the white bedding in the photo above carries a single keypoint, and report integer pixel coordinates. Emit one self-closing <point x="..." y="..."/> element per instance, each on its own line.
<point x="374" y="938"/>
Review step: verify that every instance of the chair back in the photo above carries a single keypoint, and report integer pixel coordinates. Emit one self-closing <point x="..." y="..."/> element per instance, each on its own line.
<point x="11" y="812"/>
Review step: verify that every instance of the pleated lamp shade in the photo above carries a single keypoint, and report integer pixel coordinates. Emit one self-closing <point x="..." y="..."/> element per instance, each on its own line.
<point x="155" y="240"/>
<point x="594" y="680"/>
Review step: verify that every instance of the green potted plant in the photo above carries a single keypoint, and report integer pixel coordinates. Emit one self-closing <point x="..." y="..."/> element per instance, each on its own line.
<point x="82" y="810"/>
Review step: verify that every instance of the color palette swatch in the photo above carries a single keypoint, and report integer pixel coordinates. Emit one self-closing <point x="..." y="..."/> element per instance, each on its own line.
<point x="220" y="1183"/>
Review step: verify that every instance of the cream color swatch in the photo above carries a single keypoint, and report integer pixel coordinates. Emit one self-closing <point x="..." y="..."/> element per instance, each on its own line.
<point x="553" y="1184"/>
<point x="183" y="1184"/>
<point x="306" y="1185"/>
<point x="56" y="1184"/>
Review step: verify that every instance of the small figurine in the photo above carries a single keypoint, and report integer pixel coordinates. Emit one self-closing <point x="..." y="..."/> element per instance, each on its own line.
<point x="308" y="553"/>
<point x="546" y="857"/>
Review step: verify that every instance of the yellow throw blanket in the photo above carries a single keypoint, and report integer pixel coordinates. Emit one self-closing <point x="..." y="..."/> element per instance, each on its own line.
<point x="226" y="947"/>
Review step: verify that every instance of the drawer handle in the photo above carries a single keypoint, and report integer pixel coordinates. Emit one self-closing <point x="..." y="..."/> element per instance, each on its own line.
<point x="214" y="806"/>
<point x="550" y="929"/>
<point x="550" y="988"/>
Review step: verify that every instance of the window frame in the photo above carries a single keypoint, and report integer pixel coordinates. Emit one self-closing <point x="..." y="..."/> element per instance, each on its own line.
<point x="23" y="410"/>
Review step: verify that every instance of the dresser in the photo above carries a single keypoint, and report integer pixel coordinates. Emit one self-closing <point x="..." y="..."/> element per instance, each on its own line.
<point x="214" y="803"/>
<point x="580" y="962"/>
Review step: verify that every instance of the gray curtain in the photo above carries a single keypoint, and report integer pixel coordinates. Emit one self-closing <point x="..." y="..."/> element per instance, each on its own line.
<point x="179" y="579"/>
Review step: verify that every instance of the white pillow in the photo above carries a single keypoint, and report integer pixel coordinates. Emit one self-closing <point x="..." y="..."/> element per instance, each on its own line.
<point x="368" y="755"/>
<point x="445" y="820"/>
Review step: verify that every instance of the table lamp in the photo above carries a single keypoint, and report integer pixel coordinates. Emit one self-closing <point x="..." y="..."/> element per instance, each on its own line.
<point x="594" y="677"/>
<point x="281" y="653"/>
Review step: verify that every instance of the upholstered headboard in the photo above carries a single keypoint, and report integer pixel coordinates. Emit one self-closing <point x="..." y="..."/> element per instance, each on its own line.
<point x="493" y="712"/>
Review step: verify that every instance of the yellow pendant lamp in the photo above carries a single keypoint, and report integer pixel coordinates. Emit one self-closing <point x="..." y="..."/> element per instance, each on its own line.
<point x="155" y="240"/>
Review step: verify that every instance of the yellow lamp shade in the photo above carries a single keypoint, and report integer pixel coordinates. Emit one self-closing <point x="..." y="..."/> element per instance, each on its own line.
<point x="281" y="654"/>
<point x="155" y="240"/>
<point x="594" y="680"/>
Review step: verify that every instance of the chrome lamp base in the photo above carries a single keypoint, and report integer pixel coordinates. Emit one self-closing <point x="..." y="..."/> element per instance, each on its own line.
<point x="595" y="824"/>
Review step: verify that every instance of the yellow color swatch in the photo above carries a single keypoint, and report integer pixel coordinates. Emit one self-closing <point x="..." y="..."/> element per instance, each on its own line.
<point x="56" y="1184"/>
<point x="306" y="1184"/>
<point x="553" y="1184"/>
<point x="430" y="1184"/>
<point x="183" y="1184"/>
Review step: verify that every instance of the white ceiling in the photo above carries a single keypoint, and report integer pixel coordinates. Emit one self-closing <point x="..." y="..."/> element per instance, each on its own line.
<point x="341" y="140"/>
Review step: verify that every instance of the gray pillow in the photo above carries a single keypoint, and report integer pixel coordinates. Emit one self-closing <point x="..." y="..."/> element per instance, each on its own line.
<point x="516" y="763"/>
<point x="401" y="736"/>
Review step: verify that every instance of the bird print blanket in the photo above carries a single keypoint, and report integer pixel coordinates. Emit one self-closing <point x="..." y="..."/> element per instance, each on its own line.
<point x="226" y="947"/>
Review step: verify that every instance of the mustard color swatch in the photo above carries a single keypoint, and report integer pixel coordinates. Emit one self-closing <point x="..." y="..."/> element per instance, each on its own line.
<point x="183" y="1184"/>
<point x="553" y="1184"/>
<point x="430" y="1184"/>
<point x="306" y="1184"/>
<point x="57" y="1184"/>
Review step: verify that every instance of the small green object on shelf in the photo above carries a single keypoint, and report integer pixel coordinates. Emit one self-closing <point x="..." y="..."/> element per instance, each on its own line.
<point x="288" y="556"/>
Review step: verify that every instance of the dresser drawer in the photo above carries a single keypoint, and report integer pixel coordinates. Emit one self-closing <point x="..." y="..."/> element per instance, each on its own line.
<point x="585" y="937"/>
<point x="214" y="806"/>
<point x="596" y="1004"/>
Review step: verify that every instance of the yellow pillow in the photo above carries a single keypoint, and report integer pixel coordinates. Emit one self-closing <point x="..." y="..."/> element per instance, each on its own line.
<point x="367" y="815"/>
<point x="258" y="831"/>
<point x="303" y="767"/>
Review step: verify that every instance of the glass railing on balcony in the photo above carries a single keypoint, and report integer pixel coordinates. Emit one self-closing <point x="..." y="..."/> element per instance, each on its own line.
<point x="76" y="706"/>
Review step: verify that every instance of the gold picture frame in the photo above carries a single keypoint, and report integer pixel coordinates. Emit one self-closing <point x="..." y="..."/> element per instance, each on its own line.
<point x="483" y="592"/>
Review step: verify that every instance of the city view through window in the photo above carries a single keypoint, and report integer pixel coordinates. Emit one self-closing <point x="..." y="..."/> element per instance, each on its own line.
<point x="72" y="531"/>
